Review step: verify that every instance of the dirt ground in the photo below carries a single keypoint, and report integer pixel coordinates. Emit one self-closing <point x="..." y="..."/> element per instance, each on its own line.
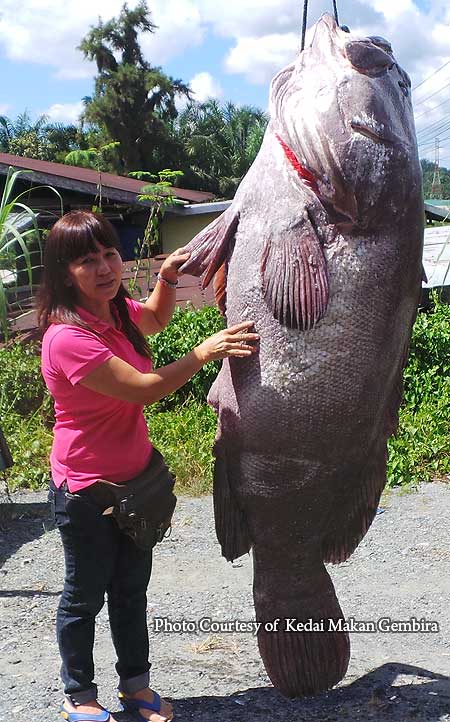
<point x="401" y="570"/>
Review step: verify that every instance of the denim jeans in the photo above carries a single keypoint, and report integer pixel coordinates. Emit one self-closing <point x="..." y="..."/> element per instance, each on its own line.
<point x="99" y="559"/>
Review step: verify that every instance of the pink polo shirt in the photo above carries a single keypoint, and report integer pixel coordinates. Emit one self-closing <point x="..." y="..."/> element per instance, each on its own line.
<point x="95" y="436"/>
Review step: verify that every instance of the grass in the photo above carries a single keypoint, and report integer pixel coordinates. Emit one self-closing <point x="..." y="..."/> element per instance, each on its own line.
<point x="185" y="438"/>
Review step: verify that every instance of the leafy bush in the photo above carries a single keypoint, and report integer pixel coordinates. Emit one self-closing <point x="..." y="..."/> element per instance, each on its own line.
<point x="187" y="329"/>
<point x="183" y="427"/>
<point x="30" y="442"/>
<point x="22" y="388"/>
<point x="419" y="451"/>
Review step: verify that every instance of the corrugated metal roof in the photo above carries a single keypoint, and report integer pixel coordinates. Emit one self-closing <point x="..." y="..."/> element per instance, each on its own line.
<point x="85" y="180"/>
<point x="437" y="209"/>
<point x="436" y="256"/>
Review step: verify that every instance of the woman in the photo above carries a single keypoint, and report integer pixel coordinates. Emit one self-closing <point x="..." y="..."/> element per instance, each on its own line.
<point x="97" y="366"/>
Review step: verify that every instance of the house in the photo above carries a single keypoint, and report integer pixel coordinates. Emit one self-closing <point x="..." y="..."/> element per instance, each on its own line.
<point x="80" y="188"/>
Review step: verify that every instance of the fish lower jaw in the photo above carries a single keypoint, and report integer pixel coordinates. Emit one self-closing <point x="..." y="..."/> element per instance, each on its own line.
<point x="369" y="133"/>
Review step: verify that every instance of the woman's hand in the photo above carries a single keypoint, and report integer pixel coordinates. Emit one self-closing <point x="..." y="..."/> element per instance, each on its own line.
<point x="233" y="341"/>
<point x="170" y="267"/>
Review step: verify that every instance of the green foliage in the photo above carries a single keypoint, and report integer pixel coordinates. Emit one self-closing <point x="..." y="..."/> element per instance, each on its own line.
<point x="185" y="437"/>
<point x="428" y="172"/>
<point x="160" y="194"/>
<point x="220" y="142"/>
<point x="38" y="139"/>
<point x="15" y="242"/>
<point x="101" y="159"/>
<point x="187" y="329"/>
<point x="133" y="100"/>
<point x="419" y="451"/>
<point x="183" y="427"/>
<point x="22" y="388"/>
<point x="30" y="442"/>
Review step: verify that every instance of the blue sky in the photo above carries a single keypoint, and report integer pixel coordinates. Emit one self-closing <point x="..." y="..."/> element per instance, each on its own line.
<point x="229" y="51"/>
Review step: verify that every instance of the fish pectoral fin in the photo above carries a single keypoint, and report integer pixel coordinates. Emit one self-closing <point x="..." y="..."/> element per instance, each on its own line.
<point x="209" y="248"/>
<point x="295" y="278"/>
<point x="220" y="288"/>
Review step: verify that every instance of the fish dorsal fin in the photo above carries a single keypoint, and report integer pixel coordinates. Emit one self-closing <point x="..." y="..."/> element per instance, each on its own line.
<point x="209" y="250"/>
<point x="294" y="274"/>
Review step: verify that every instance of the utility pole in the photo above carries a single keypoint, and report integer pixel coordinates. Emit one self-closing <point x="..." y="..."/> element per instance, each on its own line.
<point x="436" y="186"/>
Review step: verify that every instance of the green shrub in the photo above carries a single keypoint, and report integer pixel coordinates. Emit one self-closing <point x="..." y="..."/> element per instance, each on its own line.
<point x="419" y="451"/>
<point x="187" y="329"/>
<point x="22" y="388"/>
<point x="183" y="427"/>
<point x="30" y="442"/>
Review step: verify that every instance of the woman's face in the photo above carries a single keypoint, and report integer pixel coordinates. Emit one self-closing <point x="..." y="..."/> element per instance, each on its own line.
<point x="96" y="277"/>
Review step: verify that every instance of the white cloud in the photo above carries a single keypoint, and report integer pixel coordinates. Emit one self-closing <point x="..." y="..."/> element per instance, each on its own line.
<point x="49" y="31"/>
<point x="64" y="112"/>
<point x="204" y="86"/>
<point x="263" y="36"/>
<point x="4" y="107"/>
<point x="260" y="58"/>
<point x="179" y="28"/>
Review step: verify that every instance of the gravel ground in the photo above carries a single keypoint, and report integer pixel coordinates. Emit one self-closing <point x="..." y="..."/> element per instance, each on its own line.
<point x="400" y="570"/>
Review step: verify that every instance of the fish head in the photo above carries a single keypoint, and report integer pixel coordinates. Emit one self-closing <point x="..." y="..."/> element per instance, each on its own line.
<point x="344" y="108"/>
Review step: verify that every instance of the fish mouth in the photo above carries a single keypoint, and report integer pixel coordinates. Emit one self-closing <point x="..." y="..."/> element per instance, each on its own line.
<point x="371" y="133"/>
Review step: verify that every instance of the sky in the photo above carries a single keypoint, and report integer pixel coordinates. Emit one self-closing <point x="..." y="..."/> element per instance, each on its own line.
<point x="228" y="50"/>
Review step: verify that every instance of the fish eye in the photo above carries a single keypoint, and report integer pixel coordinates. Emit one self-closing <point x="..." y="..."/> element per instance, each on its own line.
<point x="381" y="43"/>
<point x="368" y="58"/>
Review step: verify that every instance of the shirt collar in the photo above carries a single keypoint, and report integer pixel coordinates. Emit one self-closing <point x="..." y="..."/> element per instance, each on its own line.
<point x="97" y="323"/>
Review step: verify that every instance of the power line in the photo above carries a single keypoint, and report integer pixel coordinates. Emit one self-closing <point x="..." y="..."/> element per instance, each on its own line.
<point x="430" y="138"/>
<point x="428" y="142"/>
<point x="432" y="134"/>
<point x="424" y="112"/>
<point x="436" y="124"/>
<point x="432" y="75"/>
<point x="432" y="95"/>
<point x="433" y="126"/>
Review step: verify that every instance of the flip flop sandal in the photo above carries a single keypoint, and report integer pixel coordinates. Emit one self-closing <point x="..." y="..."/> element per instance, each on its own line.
<point x="102" y="716"/>
<point x="133" y="705"/>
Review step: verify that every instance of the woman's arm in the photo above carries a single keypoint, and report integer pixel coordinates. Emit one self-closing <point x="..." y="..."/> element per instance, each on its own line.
<point x="159" y="307"/>
<point x="120" y="380"/>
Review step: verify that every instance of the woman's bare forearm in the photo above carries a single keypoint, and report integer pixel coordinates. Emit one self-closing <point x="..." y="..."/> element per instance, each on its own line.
<point x="167" y="379"/>
<point x="118" y="379"/>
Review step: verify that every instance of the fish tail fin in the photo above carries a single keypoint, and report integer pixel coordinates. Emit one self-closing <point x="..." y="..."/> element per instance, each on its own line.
<point x="231" y="525"/>
<point x="300" y="663"/>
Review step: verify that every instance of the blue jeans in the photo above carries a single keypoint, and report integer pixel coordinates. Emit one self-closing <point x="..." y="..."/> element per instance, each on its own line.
<point x="99" y="559"/>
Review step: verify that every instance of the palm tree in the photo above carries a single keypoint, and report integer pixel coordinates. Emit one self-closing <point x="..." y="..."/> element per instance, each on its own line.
<point x="11" y="131"/>
<point x="220" y="142"/>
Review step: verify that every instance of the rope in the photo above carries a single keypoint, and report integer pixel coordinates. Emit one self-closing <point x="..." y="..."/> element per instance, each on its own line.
<point x="335" y="12"/>
<point x="305" y="18"/>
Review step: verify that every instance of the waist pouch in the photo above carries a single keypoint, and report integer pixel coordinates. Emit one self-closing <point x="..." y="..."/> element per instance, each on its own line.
<point x="142" y="506"/>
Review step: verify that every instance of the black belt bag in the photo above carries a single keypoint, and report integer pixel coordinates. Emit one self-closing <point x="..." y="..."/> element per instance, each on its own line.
<point x="142" y="506"/>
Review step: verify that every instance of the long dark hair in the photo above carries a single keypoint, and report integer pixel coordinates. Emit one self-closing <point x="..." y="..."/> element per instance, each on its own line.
<point x="72" y="236"/>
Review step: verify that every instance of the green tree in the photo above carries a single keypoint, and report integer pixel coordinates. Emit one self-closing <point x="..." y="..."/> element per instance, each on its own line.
<point x="428" y="173"/>
<point x="220" y="142"/>
<point x="133" y="101"/>
<point x="39" y="139"/>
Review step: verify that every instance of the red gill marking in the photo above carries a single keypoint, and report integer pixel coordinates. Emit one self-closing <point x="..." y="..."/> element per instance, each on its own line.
<point x="303" y="172"/>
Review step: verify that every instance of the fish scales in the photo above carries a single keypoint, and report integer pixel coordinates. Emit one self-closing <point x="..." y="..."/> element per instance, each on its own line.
<point x="322" y="249"/>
